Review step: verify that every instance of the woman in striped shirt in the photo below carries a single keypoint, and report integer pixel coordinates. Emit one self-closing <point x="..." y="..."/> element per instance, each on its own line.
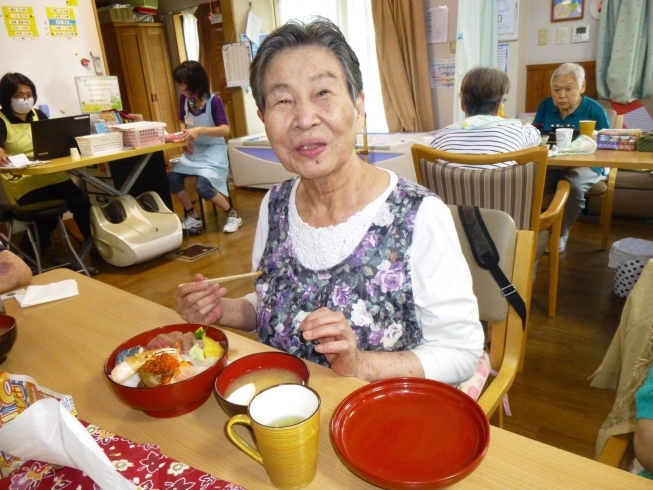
<point x="482" y="93"/>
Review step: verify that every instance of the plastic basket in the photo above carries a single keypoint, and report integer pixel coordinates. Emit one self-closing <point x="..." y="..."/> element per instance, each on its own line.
<point x="96" y="144"/>
<point x="140" y="134"/>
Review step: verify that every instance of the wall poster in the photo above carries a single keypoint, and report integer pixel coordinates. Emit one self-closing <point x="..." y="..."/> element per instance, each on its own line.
<point x="508" y="19"/>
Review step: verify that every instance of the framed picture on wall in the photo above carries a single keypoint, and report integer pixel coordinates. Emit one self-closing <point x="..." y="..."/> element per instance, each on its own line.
<point x="563" y="10"/>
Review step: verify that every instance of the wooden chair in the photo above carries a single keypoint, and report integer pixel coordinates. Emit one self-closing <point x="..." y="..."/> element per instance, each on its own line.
<point x="504" y="324"/>
<point x="516" y="189"/>
<point x="605" y="188"/>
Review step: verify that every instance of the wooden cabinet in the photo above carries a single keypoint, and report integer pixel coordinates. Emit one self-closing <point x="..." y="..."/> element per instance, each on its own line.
<point x="538" y="82"/>
<point x="137" y="53"/>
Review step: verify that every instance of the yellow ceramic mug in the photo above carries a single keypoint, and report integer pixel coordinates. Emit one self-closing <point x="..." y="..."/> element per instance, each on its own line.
<point x="286" y="422"/>
<point x="586" y="127"/>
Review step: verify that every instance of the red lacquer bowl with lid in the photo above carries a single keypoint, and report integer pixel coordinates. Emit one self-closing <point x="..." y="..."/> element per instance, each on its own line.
<point x="410" y="434"/>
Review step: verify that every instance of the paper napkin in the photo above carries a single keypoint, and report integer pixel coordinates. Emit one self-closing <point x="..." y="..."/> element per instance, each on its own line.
<point x="35" y="295"/>
<point x="48" y="432"/>
<point x="21" y="160"/>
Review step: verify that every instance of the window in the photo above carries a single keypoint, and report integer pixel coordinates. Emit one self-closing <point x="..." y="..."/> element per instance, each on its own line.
<point x="354" y="18"/>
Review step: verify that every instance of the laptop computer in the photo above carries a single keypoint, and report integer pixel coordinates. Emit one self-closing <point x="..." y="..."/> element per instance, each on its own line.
<point x="53" y="138"/>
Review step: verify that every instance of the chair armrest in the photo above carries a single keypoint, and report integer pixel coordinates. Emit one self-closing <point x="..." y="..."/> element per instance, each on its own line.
<point x="615" y="449"/>
<point x="557" y="206"/>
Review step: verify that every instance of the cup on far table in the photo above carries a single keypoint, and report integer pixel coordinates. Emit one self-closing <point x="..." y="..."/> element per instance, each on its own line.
<point x="286" y="422"/>
<point x="586" y="127"/>
<point x="563" y="137"/>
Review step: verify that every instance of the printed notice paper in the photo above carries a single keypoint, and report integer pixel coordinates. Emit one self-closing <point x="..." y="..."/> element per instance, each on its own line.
<point x="237" y="58"/>
<point x="437" y="25"/>
<point x="20" y="22"/>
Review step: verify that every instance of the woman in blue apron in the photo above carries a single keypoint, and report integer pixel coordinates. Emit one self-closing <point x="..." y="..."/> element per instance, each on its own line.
<point x="205" y="126"/>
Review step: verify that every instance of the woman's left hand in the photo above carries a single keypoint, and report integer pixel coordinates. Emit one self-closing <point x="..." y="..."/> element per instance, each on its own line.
<point x="336" y="340"/>
<point x="191" y="134"/>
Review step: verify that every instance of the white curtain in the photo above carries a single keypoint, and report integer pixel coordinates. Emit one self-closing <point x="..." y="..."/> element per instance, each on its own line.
<point x="476" y="42"/>
<point x="191" y="37"/>
<point x="624" y="60"/>
<point x="354" y="18"/>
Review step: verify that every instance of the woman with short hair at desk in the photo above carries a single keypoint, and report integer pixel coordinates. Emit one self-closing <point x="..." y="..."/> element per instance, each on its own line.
<point x="205" y="127"/>
<point x="17" y="98"/>
<point x="361" y="270"/>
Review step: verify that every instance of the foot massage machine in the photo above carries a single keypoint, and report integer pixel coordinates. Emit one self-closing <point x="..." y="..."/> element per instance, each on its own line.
<point x="131" y="230"/>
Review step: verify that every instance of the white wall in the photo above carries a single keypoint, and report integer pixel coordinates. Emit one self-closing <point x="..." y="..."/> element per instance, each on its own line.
<point x="539" y="17"/>
<point x="443" y="98"/>
<point x="262" y="9"/>
<point x="52" y="64"/>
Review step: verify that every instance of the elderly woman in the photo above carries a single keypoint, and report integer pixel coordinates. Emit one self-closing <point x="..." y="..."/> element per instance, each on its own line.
<point x="568" y="106"/>
<point x="482" y="92"/>
<point x="361" y="270"/>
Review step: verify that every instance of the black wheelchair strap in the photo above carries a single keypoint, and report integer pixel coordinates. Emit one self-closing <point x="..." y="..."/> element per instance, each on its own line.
<point x="487" y="257"/>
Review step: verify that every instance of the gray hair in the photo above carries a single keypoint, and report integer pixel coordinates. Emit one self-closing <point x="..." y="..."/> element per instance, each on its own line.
<point x="483" y="89"/>
<point x="294" y="34"/>
<point x="573" y="69"/>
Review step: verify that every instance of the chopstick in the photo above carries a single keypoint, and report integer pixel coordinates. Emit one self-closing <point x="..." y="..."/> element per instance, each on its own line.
<point x="228" y="278"/>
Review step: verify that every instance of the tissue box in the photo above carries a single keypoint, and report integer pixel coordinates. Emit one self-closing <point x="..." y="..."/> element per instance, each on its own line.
<point x="20" y="393"/>
<point x="617" y="139"/>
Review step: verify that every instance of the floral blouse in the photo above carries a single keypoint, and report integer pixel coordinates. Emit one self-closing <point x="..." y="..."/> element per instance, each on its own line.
<point x="372" y="286"/>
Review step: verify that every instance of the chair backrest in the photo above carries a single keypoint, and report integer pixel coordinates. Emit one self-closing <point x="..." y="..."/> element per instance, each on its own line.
<point x="516" y="189"/>
<point x="516" y="253"/>
<point x="492" y="305"/>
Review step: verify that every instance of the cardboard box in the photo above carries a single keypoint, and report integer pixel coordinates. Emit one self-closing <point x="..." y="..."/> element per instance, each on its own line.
<point x="107" y="15"/>
<point x="617" y="139"/>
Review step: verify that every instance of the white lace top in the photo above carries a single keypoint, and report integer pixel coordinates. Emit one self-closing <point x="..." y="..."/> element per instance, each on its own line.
<point x="446" y="307"/>
<point x="321" y="248"/>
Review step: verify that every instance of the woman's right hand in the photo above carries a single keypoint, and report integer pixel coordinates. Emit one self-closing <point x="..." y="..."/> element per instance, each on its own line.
<point x="199" y="302"/>
<point x="4" y="159"/>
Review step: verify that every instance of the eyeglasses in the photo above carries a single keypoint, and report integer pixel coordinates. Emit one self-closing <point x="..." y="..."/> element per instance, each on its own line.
<point x="29" y="95"/>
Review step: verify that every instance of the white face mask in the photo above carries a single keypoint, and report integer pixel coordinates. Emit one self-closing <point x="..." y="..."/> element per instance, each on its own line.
<point x="21" y="106"/>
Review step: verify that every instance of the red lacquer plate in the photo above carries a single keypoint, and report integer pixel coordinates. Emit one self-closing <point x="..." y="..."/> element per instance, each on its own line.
<point x="410" y="434"/>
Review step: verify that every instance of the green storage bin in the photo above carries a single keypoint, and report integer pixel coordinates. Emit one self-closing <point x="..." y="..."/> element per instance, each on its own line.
<point x="151" y="4"/>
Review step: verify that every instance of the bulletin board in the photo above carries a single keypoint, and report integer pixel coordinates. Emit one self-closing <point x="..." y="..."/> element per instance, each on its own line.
<point x="45" y="41"/>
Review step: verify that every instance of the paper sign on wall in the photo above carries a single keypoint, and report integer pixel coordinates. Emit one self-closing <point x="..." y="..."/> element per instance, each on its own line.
<point x="61" y="21"/>
<point x="20" y="22"/>
<point x="502" y="57"/>
<point x="508" y="20"/>
<point x="443" y="73"/>
<point x="437" y="25"/>
<point x="97" y="94"/>
<point x="237" y="57"/>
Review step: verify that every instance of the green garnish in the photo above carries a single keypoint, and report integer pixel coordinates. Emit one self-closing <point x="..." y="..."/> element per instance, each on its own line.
<point x="199" y="333"/>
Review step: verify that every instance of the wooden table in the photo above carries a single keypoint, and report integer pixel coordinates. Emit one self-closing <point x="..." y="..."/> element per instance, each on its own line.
<point x="64" y="344"/>
<point x="74" y="167"/>
<point x="607" y="158"/>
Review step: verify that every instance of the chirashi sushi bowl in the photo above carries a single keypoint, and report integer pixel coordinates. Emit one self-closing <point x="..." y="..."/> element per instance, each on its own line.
<point x="167" y="371"/>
